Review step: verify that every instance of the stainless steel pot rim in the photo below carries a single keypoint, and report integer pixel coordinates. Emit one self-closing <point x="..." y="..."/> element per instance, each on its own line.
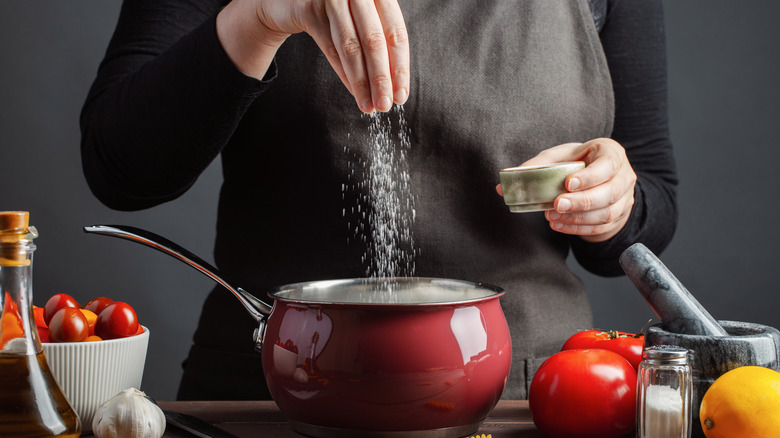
<point x="391" y="291"/>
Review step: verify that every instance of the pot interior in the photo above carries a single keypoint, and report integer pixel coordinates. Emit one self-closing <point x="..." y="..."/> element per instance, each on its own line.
<point x="412" y="291"/>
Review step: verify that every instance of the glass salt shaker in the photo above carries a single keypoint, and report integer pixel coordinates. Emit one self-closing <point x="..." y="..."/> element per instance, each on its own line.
<point x="664" y="391"/>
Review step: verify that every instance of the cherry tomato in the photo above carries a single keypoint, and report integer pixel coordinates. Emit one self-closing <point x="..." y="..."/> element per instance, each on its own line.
<point x="584" y="394"/>
<point x="93" y="338"/>
<point x="117" y="320"/>
<point x="68" y="325"/>
<point x="43" y="334"/>
<point x="98" y="304"/>
<point x="55" y="303"/>
<point x="628" y="345"/>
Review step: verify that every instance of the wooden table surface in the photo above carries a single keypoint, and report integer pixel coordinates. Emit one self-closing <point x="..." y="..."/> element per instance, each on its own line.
<point x="258" y="419"/>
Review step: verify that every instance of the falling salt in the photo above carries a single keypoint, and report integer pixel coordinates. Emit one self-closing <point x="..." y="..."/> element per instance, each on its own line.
<point x="391" y="250"/>
<point x="387" y="204"/>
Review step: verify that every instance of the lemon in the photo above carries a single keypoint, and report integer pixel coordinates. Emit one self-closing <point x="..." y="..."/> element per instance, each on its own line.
<point x="743" y="402"/>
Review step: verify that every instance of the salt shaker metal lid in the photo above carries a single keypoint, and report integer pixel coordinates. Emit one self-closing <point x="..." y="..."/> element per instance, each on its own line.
<point x="665" y="355"/>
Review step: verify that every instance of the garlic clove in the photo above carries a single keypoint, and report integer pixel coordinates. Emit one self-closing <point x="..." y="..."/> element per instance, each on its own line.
<point x="129" y="414"/>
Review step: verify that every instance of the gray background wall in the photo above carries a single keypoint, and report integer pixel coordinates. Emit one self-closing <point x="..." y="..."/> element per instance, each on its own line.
<point x="723" y="73"/>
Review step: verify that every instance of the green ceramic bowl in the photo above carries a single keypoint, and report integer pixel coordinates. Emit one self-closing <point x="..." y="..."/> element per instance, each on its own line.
<point x="534" y="188"/>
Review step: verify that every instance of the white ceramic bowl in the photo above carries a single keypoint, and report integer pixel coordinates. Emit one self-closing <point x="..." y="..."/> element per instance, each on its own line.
<point x="89" y="373"/>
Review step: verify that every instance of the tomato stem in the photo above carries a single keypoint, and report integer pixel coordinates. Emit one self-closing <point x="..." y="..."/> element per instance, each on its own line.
<point x="614" y="334"/>
<point x="708" y="423"/>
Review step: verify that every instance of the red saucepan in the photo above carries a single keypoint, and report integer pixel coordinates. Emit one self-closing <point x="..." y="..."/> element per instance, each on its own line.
<point x="373" y="357"/>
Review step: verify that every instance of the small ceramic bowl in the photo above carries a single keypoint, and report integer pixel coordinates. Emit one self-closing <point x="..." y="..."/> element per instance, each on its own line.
<point x="89" y="373"/>
<point x="534" y="188"/>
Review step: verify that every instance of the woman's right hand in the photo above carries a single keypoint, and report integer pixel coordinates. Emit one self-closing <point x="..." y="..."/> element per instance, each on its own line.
<point x="364" y="40"/>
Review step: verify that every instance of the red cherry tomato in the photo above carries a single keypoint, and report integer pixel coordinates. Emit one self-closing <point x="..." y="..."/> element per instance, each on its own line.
<point x="68" y="325"/>
<point x="55" y="303"/>
<point x="117" y="320"/>
<point x="43" y="334"/>
<point x="584" y="394"/>
<point x="628" y="345"/>
<point x="98" y="304"/>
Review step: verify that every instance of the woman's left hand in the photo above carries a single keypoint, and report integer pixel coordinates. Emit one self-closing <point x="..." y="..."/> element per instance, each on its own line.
<point x="600" y="196"/>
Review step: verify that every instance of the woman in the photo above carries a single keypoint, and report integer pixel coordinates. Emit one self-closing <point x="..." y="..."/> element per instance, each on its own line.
<point x="273" y="87"/>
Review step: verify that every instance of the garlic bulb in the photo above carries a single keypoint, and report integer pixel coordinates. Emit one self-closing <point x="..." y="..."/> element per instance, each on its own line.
<point x="129" y="414"/>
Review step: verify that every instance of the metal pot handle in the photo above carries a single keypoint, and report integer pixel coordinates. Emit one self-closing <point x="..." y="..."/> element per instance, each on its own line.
<point x="256" y="307"/>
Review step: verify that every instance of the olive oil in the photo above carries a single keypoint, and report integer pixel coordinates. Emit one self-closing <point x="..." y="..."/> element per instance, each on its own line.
<point x="31" y="403"/>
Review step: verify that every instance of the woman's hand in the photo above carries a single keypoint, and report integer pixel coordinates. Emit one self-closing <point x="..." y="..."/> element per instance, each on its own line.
<point x="365" y="42"/>
<point x="600" y="196"/>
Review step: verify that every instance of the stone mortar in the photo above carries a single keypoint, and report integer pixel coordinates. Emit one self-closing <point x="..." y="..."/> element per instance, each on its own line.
<point x="746" y="344"/>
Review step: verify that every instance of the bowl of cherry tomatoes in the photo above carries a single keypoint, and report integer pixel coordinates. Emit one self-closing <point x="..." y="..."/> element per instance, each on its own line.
<point x="94" y="351"/>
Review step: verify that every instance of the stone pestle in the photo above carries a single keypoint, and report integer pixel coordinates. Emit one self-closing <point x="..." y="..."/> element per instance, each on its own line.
<point x="678" y="310"/>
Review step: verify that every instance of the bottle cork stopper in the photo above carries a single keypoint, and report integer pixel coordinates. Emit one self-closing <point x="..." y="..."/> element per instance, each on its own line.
<point x="14" y="221"/>
<point x="14" y="226"/>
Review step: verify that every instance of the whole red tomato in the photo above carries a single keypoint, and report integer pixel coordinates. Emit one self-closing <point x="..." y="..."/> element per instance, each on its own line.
<point x="584" y="394"/>
<point x="97" y="304"/>
<point x="117" y="320"/>
<point x="57" y="302"/>
<point x="628" y="345"/>
<point x="68" y="325"/>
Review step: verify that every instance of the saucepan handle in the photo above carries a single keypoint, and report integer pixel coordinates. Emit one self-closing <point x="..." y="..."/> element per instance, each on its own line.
<point x="256" y="307"/>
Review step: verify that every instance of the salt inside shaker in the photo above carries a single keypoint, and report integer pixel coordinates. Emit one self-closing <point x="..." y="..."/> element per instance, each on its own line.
<point x="664" y="393"/>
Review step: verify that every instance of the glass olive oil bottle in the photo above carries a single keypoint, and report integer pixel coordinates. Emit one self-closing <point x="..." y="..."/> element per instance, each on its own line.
<point x="31" y="402"/>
